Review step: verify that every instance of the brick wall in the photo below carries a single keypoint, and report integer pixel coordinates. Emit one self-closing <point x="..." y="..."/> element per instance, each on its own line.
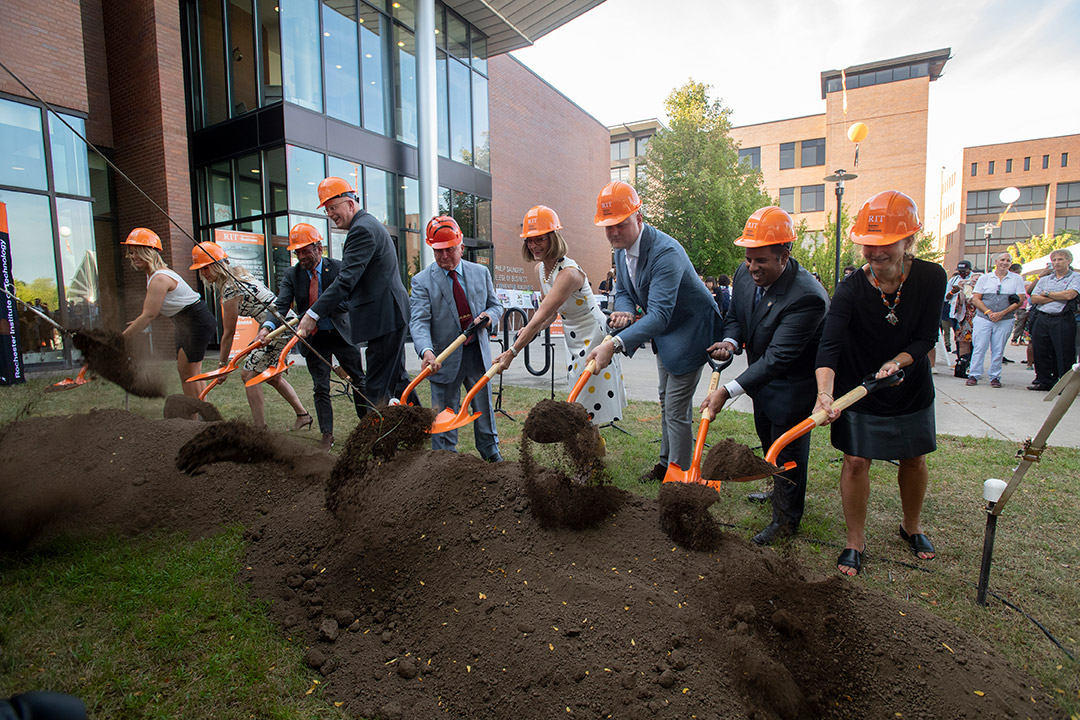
<point x="42" y="43"/>
<point x="544" y="151"/>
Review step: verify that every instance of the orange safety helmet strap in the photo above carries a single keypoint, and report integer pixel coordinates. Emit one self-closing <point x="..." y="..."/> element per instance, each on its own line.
<point x="769" y="225"/>
<point x="443" y="232"/>
<point x="540" y="220"/>
<point x="616" y="202"/>
<point x="334" y="187"/>
<point x="206" y="253"/>
<point x="144" y="237"/>
<point x="886" y="218"/>
<point x="302" y="235"/>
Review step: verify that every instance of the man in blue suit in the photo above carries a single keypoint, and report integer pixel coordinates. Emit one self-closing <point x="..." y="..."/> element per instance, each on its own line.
<point x="448" y="296"/>
<point x="777" y="313"/>
<point x="680" y="317"/>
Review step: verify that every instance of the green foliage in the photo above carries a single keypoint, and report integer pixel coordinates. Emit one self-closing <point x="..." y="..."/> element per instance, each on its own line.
<point x="43" y="288"/>
<point x="926" y="248"/>
<point x="1041" y="245"/>
<point x="816" y="250"/>
<point x="695" y="189"/>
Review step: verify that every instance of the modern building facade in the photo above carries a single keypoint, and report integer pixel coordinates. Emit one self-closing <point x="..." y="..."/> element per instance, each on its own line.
<point x="226" y="114"/>
<point x="1046" y="172"/>
<point x="795" y="155"/>
<point x="629" y="141"/>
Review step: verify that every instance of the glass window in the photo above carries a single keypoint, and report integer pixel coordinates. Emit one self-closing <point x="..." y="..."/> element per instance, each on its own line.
<point x="405" y="84"/>
<point x="341" y="60"/>
<point x="643" y="145"/>
<point x="78" y="262"/>
<point x="974" y="169"/>
<point x="443" y="97"/>
<point x="1071" y="223"/>
<point x="460" y="111"/>
<point x="920" y="70"/>
<point x="100" y="185"/>
<point x="483" y="220"/>
<point x="306" y="171"/>
<point x="465" y="213"/>
<point x="351" y="171"/>
<point x="34" y="269"/>
<point x="620" y="173"/>
<point x="215" y="98"/>
<point x="620" y="150"/>
<point x="248" y="186"/>
<point x="1064" y="159"/>
<point x="479" y="52"/>
<point x="813" y="152"/>
<point x="270" y="47"/>
<point x="1031" y="198"/>
<point x="457" y="36"/>
<point x="787" y="155"/>
<point x="219" y="184"/>
<point x="405" y="11"/>
<point x="833" y="85"/>
<point x="883" y="76"/>
<point x="70" y="171"/>
<point x="787" y="199"/>
<point x="1027" y="164"/>
<point x="1068" y="195"/>
<point x="374" y="44"/>
<point x="1046" y="162"/>
<point x="990" y="167"/>
<point x="751" y="157"/>
<point x="444" y="201"/>
<point x="300" y="53"/>
<point x="379" y="186"/>
<point x="1008" y="166"/>
<point x="23" y="160"/>
<point x="901" y="73"/>
<point x="481" y="154"/>
<point x="245" y="94"/>
<point x="812" y="198"/>
<point x="410" y="204"/>
<point x="276" y="179"/>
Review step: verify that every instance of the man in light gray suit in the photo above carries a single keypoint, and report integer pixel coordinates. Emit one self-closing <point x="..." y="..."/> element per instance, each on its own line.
<point x="448" y="296"/>
<point x="680" y="316"/>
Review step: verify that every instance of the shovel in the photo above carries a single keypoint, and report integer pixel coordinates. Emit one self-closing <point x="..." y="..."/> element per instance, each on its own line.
<point x="693" y="474"/>
<point x="449" y="420"/>
<point x="283" y="364"/>
<point x="585" y="375"/>
<point x="235" y="362"/>
<point x="450" y="349"/>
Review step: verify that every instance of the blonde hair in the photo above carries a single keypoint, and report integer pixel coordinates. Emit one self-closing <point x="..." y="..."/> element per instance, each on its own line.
<point x="556" y="248"/>
<point x="223" y="273"/>
<point x="150" y="256"/>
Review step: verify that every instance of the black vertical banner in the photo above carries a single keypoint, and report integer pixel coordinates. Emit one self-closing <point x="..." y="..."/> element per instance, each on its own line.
<point x="11" y="370"/>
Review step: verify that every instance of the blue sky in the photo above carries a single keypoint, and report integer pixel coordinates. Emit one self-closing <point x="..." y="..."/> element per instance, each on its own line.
<point x="1014" y="73"/>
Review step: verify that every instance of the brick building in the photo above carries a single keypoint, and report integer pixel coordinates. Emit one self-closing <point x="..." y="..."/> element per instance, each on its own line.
<point x="227" y="114"/>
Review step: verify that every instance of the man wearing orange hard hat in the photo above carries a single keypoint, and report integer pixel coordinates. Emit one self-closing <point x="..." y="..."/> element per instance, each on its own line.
<point x="777" y="313"/>
<point x="369" y="285"/>
<point x="448" y="296"/>
<point x="680" y="317"/>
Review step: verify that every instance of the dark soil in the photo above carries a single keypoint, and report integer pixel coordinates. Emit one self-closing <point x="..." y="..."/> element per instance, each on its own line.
<point x="182" y="406"/>
<point x="727" y="460"/>
<point x="685" y="516"/>
<point x="441" y="595"/>
<point x="107" y="355"/>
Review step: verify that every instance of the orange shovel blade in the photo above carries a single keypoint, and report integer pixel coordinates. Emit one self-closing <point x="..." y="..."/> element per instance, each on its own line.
<point x="675" y="474"/>
<point x="412" y="386"/>
<point x="209" y="375"/>
<point x="210" y="386"/>
<point x="283" y="364"/>
<point x="450" y="420"/>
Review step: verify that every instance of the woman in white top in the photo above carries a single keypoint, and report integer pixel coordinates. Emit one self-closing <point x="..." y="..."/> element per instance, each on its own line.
<point x="242" y="294"/>
<point x="566" y="291"/>
<point x="168" y="294"/>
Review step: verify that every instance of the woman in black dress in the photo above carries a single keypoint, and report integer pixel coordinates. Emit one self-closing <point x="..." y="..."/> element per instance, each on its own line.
<point x="883" y="317"/>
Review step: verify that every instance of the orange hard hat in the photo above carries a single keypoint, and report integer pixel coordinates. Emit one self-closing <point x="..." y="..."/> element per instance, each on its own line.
<point x="333" y="187"/>
<point x="540" y="220"/>
<point x="302" y="235"/>
<point x="616" y="202"/>
<point x="206" y="253"/>
<point x="768" y="226"/>
<point x="443" y="232"/>
<point x="144" y="237"/>
<point x="888" y="217"/>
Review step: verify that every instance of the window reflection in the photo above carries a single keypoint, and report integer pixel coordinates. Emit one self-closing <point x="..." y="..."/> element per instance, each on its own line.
<point x="379" y="198"/>
<point x="481" y="156"/>
<point x="300" y="53"/>
<point x="374" y="44"/>
<point x="23" y="161"/>
<point x="219" y="181"/>
<point x="275" y="177"/>
<point x="242" y="56"/>
<point x="410" y="204"/>
<point x="465" y="213"/>
<point x="212" y="62"/>
<point x="78" y="263"/>
<point x="341" y="62"/>
<point x="70" y="172"/>
<point x="405" y="84"/>
<point x="351" y="171"/>
<point x="270" y="45"/>
<point x="457" y="36"/>
<point x="443" y="110"/>
<point x="305" y="173"/>
<point x="479" y="52"/>
<point x="461" y="145"/>
<point x="248" y="186"/>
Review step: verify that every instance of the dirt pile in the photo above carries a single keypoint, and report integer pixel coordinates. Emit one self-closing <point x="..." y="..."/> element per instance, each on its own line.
<point x="182" y="406"/>
<point x="441" y="595"/>
<point x="107" y="355"/>
<point x="727" y="460"/>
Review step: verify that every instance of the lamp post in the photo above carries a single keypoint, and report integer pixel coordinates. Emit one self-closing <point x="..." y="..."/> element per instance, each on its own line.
<point x="838" y="177"/>
<point x="988" y="230"/>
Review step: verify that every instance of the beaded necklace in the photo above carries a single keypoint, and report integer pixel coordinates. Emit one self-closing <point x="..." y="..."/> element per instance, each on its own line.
<point x="891" y="317"/>
<point x="548" y="275"/>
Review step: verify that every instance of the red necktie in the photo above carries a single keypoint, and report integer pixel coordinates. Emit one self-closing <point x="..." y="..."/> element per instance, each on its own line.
<point x="313" y="288"/>
<point x="465" y="316"/>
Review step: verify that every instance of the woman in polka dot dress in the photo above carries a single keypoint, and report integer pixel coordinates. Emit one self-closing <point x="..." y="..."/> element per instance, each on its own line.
<point x="567" y="292"/>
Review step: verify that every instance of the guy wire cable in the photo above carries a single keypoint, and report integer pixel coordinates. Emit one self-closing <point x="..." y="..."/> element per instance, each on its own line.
<point x="111" y="164"/>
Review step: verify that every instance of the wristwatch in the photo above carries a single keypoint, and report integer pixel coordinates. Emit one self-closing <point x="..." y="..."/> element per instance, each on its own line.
<point x="617" y="343"/>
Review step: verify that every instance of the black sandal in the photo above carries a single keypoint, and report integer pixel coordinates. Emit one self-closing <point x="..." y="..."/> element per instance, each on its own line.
<point x="300" y="424"/>
<point x="851" y="558"/>
<point x="918" y="543"/>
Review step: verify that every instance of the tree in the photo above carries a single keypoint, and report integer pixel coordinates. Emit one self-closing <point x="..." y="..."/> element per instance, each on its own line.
<point x="1041" y="245"/>
<point x="695" y="188"/>
<point x="926" y="248"/>
<point x="816" y="249"/>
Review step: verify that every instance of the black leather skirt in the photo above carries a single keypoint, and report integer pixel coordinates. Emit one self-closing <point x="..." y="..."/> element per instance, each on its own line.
<point x="886" y="438"/>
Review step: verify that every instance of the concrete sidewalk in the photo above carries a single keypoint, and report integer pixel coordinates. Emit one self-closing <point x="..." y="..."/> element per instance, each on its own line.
<point x="1009" y="413"/>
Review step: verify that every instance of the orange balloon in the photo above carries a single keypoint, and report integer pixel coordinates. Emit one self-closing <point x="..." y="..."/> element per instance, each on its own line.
<point x="857" y="132"/>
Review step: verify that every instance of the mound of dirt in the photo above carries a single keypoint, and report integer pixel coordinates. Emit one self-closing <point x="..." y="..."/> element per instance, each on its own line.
<point x="685" y="516"/>
<point x="107" y="355"/>
<point x="551" y="421"/>
<point x="182" y="406"/>
<point x="727" y="460"/>
<point x="440" y="595"/>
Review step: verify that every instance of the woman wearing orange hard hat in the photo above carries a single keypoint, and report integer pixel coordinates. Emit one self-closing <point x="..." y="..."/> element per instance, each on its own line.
<point x="567" y="292"/>
<point x="168" y="294"/>
<point x="883" y="318"/>
<point x="242" y="294"/>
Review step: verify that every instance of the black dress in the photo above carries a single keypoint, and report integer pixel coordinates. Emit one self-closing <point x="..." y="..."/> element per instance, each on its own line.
<point x="896" y="422"/>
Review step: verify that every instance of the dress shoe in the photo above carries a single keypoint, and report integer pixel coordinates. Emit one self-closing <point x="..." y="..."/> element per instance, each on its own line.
<point x="995" y="383"/>
<point x="760" y="497"/>
<point x="327" y="442"/>
<point x="657" y="473"/>
<point x="496" y="458"/>
<point x="1039" y="388"/>
<point x="772" y="532"/>
<point x="972" y="381"/>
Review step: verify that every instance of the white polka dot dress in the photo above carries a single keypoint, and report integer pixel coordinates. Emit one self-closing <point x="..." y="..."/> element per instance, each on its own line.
<point x="584" y="327"/>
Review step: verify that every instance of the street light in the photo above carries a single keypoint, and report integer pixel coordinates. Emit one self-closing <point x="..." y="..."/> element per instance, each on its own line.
<point x="1007" y="196"/>
<point x="838" y="177"/>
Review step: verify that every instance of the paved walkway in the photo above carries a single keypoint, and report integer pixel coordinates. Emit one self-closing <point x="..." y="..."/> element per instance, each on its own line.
<point x="1009" y="413"/>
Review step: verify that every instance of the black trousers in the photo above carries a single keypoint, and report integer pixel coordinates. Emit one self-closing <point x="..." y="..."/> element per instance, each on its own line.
<point x="1053" y="342"/>
<point x="329" y="343"/>
<point x="387" y="376"/>
<point x="789" y="488"/>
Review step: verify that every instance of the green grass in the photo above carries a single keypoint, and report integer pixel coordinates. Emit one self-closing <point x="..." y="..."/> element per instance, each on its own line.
<point x="158" y="627"/>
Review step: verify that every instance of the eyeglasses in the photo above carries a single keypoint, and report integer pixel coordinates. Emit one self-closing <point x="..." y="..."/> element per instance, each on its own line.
<point x="535" y="239"/>
<point x="328" y="207"/>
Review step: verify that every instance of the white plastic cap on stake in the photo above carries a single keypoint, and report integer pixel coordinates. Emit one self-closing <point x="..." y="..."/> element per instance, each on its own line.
<point x="992" y="489"/>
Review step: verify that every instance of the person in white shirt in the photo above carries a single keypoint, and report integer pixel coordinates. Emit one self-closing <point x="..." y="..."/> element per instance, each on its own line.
<point x="997" y="296"/>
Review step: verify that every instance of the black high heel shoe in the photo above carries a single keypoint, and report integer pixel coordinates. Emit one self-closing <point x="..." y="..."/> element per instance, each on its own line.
<point x="301" y="423"/>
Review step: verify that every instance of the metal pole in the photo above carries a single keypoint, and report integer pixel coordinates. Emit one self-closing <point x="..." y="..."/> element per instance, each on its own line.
<point x="988" y="552"/>
<point x="427" y="141"/>
<point x="839" y="205"/>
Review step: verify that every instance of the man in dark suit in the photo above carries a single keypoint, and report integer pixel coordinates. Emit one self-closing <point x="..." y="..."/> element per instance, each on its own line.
<point x="370" y="286"/>
<point x="777" y="313"/>
<point x="654" y="273"/>
<point x="311" y="275"/>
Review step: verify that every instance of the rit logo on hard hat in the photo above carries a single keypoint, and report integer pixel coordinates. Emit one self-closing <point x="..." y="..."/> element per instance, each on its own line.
<point x="875" y="219"/>
<point x="605" y="207"/>
<point x="751" y="227"/>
